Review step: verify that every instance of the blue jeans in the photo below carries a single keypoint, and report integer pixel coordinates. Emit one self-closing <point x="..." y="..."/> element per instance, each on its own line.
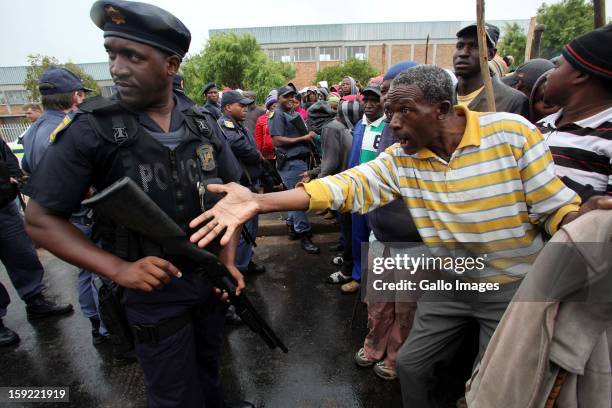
<point x="244" y="252"/>
<point x="88" y="295"/>
<point x="18" y="255"/>
<point x="360" y="233"/>
<point x="291" y="173"/>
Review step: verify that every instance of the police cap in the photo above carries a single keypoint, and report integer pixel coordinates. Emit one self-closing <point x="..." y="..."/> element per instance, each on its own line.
<point x="56" y="80"/>
<point x="230" y="97"/>
<point x="143" y="23"/>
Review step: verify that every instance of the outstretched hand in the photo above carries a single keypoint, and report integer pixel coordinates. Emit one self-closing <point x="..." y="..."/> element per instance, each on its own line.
<point x="233" y="210"/>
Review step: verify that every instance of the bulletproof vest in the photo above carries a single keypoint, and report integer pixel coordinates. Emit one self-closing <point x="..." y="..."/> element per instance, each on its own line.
<point x="169" y="177"/>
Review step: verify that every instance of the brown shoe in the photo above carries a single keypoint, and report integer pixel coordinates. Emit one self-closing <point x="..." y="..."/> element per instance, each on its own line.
<point x="351" y="287"/>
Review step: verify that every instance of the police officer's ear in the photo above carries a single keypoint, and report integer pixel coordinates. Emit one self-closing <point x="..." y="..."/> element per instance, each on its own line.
<point x="173" y="62"/>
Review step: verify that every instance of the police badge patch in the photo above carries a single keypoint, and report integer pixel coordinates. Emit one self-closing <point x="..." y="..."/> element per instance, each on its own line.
<point x="206" y="157"/>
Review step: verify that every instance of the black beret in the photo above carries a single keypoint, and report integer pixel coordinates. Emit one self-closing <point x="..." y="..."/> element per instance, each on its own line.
<point x="208" y="87"/>
<point x="590" y="54"/>
<point x="141" y="22"/>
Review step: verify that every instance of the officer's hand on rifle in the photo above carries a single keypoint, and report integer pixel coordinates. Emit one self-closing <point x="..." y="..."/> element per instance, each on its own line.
<point x="239" y="280"/>
<point x="146" y="274"/>
<point x="237" y="207"/>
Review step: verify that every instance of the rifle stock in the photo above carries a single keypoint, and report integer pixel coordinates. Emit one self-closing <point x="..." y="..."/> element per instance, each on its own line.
<point x="126" y="204"/>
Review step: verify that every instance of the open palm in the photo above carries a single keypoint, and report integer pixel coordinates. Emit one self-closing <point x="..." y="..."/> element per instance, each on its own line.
<point x="237" y="207"/>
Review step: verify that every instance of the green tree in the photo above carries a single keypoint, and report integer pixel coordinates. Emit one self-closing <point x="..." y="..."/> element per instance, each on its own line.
<point x="564" y="21"/>
<point x="235" y="61"/>
<point x="358" y="69"/>
<point x="37" y="64"/>
<point x="513" y="43"/>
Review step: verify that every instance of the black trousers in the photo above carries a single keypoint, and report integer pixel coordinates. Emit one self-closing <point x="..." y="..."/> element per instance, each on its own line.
<point x="183" y="370"/>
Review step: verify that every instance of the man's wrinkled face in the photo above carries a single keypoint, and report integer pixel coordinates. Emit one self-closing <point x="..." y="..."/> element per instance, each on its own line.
<point x="372" y="107"/>
<point x="142" y="74"/>
<point x="466" y="62"/>
<point x="212" y="95"/>
<point x="558" y="83"/>
<point x="411" y="117"/>
<point x="236" y="111"/>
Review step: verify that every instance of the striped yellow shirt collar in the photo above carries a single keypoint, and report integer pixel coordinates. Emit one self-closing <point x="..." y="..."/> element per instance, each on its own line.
<point x="471" y="135"/>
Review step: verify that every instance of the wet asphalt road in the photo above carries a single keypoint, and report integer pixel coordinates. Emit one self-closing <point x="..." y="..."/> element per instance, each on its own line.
<point x="311" y="317"/>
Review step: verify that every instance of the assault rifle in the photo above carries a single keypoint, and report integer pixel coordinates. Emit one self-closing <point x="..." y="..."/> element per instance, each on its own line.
<point x="126" y="204"/>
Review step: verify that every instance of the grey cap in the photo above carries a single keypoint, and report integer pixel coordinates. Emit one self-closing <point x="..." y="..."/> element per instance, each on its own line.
<point x="491" y="31"/>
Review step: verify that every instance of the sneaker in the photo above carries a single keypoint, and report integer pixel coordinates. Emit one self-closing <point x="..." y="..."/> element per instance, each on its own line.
<point x="361" y="360"/>
<point x="338" y="277"/>
<point x="384" y="372"/>
<point x="38" y="307"/>
<point x="7" y="336"/>
<point x="337" y="260"/>
<point x="351" y="287"/>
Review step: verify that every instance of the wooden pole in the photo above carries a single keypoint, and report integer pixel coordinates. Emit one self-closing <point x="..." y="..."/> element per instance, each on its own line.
<point x="426" y="48"/>
<point x="529" y="42"/>
<point x="483" y="54"/>
<point x="599" y="13"/>
<point x="537" y="40"/>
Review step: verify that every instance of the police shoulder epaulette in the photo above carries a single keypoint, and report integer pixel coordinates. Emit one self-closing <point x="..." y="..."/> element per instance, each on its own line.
<point x="270" y="115"/>
<point x="228" y="124"/>
<point x="68" y="118"/>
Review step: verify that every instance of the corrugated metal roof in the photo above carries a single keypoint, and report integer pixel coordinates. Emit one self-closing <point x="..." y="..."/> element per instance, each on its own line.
<point x="437" y="30"/>
<point x="16" y="75"/>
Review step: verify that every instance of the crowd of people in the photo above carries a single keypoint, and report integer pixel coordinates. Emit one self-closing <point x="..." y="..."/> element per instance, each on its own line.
<point x="411" y="156"/>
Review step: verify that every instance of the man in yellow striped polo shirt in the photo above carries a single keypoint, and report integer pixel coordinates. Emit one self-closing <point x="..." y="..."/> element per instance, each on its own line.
<point x="467" y="177"/>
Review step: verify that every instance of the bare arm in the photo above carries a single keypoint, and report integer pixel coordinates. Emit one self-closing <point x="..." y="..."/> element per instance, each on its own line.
<point x="56" y="234"/>
<point x="285" y="140"/>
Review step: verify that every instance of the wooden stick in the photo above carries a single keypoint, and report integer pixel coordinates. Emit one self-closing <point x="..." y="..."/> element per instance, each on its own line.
<point x="529" y="42"/>
<point x="483" y="53"/>
<point x="537" y="40"/>
<point x="426" y="48"/>
<point x="599" y="13"/>
<point x="556" y="389"/>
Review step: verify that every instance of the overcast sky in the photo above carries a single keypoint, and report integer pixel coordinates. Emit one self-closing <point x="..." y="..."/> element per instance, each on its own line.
<point x="63" y="29"/>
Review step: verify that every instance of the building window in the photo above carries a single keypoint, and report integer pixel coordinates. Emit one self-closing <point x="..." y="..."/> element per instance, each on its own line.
<point x="329" y="53"/>
<point x="279" y="54"/>
<point x="304" y="54"/>
<point x="16" y="97"/>
<point x="358" y="52"/>
<point x="107" y="90"/>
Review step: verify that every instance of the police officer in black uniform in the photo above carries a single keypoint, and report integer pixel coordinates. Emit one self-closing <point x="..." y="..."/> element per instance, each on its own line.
<point x="242" y="143"/>
<point x="293" y="149"/>
<point x="164" y="144"/>
<point x="212" y="106"/>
